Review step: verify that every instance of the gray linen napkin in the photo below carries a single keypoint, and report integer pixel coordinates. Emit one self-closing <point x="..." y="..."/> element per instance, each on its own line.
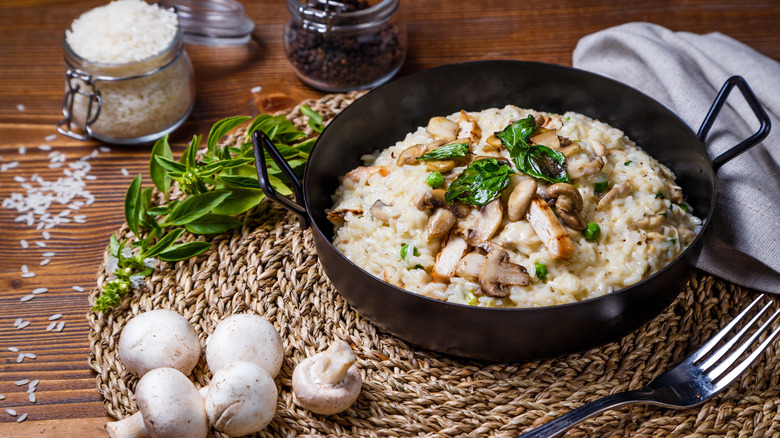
<point x="684" y="71"/>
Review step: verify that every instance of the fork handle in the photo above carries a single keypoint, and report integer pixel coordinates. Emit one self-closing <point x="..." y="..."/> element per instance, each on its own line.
<point x="560" y="425"/>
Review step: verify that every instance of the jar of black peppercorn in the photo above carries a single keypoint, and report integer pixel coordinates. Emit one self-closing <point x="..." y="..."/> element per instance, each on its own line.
<point x="344" y="45"/>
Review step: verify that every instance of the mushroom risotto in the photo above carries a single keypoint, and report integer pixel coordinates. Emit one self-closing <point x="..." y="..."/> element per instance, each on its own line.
<point x="512" y="208"/>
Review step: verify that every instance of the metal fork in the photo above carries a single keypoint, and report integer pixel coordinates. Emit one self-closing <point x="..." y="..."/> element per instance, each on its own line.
<point x="691" y="383"/>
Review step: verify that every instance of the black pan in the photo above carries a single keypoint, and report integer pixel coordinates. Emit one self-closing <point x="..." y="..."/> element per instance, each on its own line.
<point x="384" y="116"/>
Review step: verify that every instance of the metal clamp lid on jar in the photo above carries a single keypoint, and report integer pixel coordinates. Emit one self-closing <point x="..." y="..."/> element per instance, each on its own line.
<point x="75" y="76"/>
<point x="329" y="19"/>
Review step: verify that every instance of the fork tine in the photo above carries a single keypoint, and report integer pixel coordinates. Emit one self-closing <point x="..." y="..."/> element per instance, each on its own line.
<point x="729" y="361"/>
<point x="709" y="345"/>
<point x="712" y="360"/>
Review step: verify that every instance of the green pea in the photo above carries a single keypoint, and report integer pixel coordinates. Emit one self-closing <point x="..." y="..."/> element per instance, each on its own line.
<point x="435" y="179"/>
<point x="541" y="271"/>
<point x="592" y="232"/>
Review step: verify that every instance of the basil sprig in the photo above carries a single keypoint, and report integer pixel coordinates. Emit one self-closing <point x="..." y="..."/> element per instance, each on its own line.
<point x="479" y="183"/>
<point x="536" y="160"/>
<point x="449" y="151"/>
<point x="217" y="185"/>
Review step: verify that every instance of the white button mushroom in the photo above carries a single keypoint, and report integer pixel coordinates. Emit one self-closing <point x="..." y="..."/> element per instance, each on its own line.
<point x="156" y="339"/>
<point x="169" y="406"/>
<point x="328" y="382"/>
<point x="241" y="399"/>
<point x="245" y="337"/>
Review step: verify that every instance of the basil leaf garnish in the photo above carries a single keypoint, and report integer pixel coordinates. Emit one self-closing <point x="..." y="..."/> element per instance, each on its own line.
<point x="447" y="152"/>
<point x="536" y="160"/>
<point x="480" y="183"/>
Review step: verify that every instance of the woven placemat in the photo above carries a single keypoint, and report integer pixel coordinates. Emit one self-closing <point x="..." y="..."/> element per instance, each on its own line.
<point x="269" y="267"/>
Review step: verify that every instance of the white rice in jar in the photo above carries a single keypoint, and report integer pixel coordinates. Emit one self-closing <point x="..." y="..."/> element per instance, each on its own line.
<point x="134" y="53"/>
<point x="384" y="224"/>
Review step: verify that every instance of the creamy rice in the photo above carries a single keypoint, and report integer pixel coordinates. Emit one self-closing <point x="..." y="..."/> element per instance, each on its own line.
<point x="642" y="230"/>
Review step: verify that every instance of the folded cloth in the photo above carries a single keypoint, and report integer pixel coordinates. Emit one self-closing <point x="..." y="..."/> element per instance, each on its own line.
<point x="685" y="71"/>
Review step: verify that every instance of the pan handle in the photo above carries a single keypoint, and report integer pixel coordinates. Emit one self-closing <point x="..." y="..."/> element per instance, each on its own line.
<point x="720" y="100"/>
<point x="261" y="142"/>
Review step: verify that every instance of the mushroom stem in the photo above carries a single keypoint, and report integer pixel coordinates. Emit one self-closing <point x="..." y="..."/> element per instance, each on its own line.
<point x="332" y="367"/>
<point x="130" y="427"/>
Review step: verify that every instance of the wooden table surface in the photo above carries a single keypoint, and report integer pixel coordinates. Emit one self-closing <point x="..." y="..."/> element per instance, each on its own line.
<point x="31" y="89"/>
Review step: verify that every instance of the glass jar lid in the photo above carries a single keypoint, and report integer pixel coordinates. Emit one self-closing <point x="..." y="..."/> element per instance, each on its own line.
<point x="212" y="22"/>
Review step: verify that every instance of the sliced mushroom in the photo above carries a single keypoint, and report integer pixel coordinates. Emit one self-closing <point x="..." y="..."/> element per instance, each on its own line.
<point x="442" y="166"/>
<point x="475" y="132"/>
<point x="431" y="199"/>
<point x="598" y="148"/>
<point x="440" y="223"/>
<point x="442" y="128"/>
<point x="578" y="168"/>
<point x="497" y="274"/>
<point x="685" y="235"/>
<point x="553" y="122"/>
<point x="565" y="189"/>
<point x="383" y="212"/>
<point x="521" y="196"/>
<point x="570" y="150"/>
<point x="569" y="213"/>
<point x="614" y="193"/>
<point x="547" y="138"/>
<point x="337" y="216"/>
<point x="410" y="154"/>
<point x="675" y="195"/>
<point x="487" y="224"/>
<point x="470" y="265"/>
<point x="549" y="229"/>
<point x="647" y="223"/>
<point x="493" y="144"/>
<point x="447" y="260"/>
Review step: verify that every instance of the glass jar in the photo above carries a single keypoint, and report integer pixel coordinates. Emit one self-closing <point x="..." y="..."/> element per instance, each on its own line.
<point x="346" y="45"/>
<point x="127" y="103"/>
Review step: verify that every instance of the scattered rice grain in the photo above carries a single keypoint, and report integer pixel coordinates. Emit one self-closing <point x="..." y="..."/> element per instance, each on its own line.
<point x="46" y="235"/>
<point x="13" y="349"/>
<point x="55" y="316"/>
<point x="22" y="150"/>
<point x="31" y="397"/>
<point x="28" y="275"/>
<point x="45" y="262"/>
<point x="34" y="383"/>
<point x="54" y="165"/>
<point x="40" y="243"/>
<point x="60" y="326"/>
<point x="51" y="326"/>
<point x="24" y="244"/>
<point x="22" y="418"/>
<point x="104" y="149"/>
<point x="256" y="89"/>
<point x="78" y="288"/>
<point x="29" y="356"/>
<point x="49" y="254"/>
<point x="17" y="322"/>
<point x="22" y="382"/>
<point x="25" y="269"/>
<point x="44" y="147"/>
<point x="40" y="290"/>
<point x="21" y="107"/>
<point x="25" y="323"/>
<point x="50" y="137"/>
<point x="124" y="172"/>
<point x="2" y="397"/>
<point x="11" y="412"/>
<point x="20" y="358"/>
<point x="19" y="179"/>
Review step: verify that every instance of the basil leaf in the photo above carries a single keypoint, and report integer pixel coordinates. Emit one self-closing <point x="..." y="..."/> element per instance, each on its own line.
<point x="543" y="163"/>
<point x="220" y="129"/>
<point x="447" y="152"/>
<point x="517" y="134"/>
<point x="239" y="201"/>
<point x="164" y="243"/>
<point x="183" y="251"/>
<point x="195" y="206"/>
<point x="132" y="202"/>
<point x="212" y="224"/>
<point x="277" y="128"/>
<point x="315" y="119"/>
<point x="160" y="179"/>
<point x="480" y="183"/>
<point x="113" y="246"/>
<point x="237" y="181"/>
<point x="189" y="157"/>
<point x="169" y="165"/>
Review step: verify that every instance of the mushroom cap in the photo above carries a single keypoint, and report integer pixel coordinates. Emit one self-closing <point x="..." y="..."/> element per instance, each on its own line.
<point x="322" y="398"/>
<point x="241" y="399"/>
<point x="245" y="337"/>
<point x="158" y="338"/>
<point x="170" y="405"/>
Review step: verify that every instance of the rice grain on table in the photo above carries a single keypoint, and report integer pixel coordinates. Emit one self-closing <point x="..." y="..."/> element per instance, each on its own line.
<point x="40" y="290"/>
<point x="13" y="349"/>
<point x="60" y="326"/>
<point x="49" y="254"/>
<point x="31" y="397"/>
<point x="51" y="326"/>
<point x="45" y="262"/>
<point x="22" y="150"/>
<point x="44" y="147"/>
<point x="29" y="356"/>
<point x="40" y="243"/>
<point x="28" y="275"/>
<point x="78" y="288"/>
<point x="50" y="138"/>
<point x="22" y="382"/>
<point x="24" y="244"/>
<point x="46" y="235"/>
<point x="20" y="358"/>
<point x="11" y="412"/>
<point x="56" y="316"/>
<point x="2" y="397"/>
<point x="22" y="418"/>
<point x="24" y="324"/>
